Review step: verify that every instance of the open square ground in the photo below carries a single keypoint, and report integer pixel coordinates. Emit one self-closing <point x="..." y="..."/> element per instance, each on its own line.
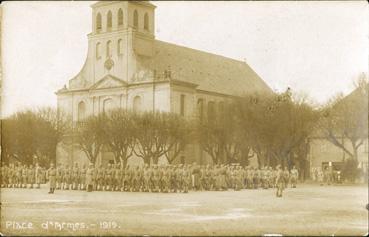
<point x="307" y="210"/>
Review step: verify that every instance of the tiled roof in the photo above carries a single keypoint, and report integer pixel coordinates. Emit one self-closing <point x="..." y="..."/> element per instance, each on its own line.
<point x="211" y="72"/>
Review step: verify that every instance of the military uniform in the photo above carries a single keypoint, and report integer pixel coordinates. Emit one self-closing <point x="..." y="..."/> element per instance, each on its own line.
<point x="24" y="171"/>
<point x="294" y="177"/>
<point x="286" y="175"/>
<point x="38" y="175"/>
<point x="280" y="182"/>
<point x="11" y="175"/>
<point x="179" y="184"/>
<point x="256" y="179"/>
<point x="90" y="178"/>
<point x="82" y="178"/>
<point x="19" y="176"/>
<point x="155" y="179"/>
<point x="165" y="180"/>
<point x="100" y="178"/>
<point x="51" y="174"/>
<point x="31" y="176"/>
<point x="75" y="177"/>
<point x="108" y="178"/>
<point x="127" y="179"/>
<point x="4" y="176"/>
<point x="66" y="177"/>
<point x="146" y="178"/>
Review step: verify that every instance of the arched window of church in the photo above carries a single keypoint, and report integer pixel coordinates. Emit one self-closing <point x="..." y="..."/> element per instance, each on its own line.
<point x="107" y="105"/>
<point x="98" y="50"/>
<point x="135" y="19"/>
<point x="81" y="111"/>
<point x="120" y="17"/>
<point x="108" y="49"/>
<point x="109" y="22"/>
<point x="146" y="22"/>
<point x="137" y="104"/>
<point x="98" y="21"/>
<point x="120" y="46"/>
<point x="211" y="111"/>
<point x="200" y="109"/>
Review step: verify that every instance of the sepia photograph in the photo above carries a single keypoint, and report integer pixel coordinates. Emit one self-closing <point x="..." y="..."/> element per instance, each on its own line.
<point x="184" y="118"/>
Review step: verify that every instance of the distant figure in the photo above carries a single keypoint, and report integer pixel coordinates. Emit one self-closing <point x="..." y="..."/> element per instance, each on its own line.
<point x="294" y="177"/>
<point x="280" y="181"/>
<point x="38" y="174"/>
<point x="90" y="177"/>
<point x="51" y="174"/>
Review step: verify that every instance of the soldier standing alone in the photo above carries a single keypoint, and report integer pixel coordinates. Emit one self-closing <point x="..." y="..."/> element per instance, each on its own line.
<point x="51" y="174"/>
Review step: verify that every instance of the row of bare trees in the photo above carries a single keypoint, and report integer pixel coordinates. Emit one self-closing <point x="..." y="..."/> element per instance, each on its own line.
<point x="276" y="128"/>
<point x="148" y="135"/>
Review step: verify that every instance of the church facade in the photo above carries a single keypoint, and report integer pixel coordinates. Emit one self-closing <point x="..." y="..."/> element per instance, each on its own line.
<point x="128" y="68"/>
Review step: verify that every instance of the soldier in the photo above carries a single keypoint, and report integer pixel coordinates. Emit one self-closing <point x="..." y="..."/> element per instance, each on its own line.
<point x="179" y="178"/>
<point x="66" y="177"/>
<point x="286" y="175"/>
<point x="122" y="174"/>
<point x="108" y="177"/>
<point x="217" y="177"/>
<point x="256" y="178"/>
<point x="4" y="175"/>
<point x="43" y="176"/>
<point x="75" y="176"/>
<point x="100" y="178"/>
<point x="165" y="179"/>
<point x="294" y="177"/>
<point x="19" y="175"/>
<point x="82" y="177"/>
<point x="59" y="176"/>
<point x="116" y="177"/>
<point x="38" y="175"/>
<point x="245" y="174"/>
<point x="264" y="177"/>
<point x="146" y="178"/>
<point x="250" y="177"/>
<point x="90" y="177"/>
<point x="186" y="178"/>
<point x="172" y="178"/>
<point x="196" y="177"/>
<point x="239" y="178"/>
<point x="136" y="179"/>
<point x="280" y="181"/>
<point x="11" y="176"/>
<point x="51" y="174"/>
<point x="271" y="178"/>
<point x="31" y="176"/>
<point x="155" y="178"/>
<point x="127" y="179"/>
<point x="24" y="171"/>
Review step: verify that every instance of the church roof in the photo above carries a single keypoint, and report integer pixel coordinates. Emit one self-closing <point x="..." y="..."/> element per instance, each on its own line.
<point x="209" y="71"/>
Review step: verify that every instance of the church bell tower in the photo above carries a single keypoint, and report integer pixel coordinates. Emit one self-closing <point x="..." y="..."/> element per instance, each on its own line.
<point x="122" y="31"/>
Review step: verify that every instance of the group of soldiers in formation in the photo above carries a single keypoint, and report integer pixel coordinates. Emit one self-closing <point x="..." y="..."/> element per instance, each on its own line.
<point x="149" y="178"/>
<point x="22" y="176"/>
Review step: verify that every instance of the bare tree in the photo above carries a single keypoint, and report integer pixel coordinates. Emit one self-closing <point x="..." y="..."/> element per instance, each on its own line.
<point x="178" y="134"/>
<point x="276" y="125"/>
<point x="33" y="133"/>
<point x="150" y="136"/>
<point x="119" y="135"/>
<point x="90" y="136"/>
<point x="346" y="118"/>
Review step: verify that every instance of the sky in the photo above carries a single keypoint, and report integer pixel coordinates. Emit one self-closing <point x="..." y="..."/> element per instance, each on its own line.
<point x="316" y="48"/>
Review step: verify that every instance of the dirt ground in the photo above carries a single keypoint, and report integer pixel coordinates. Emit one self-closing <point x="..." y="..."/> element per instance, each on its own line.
<point x="306" y="210"/>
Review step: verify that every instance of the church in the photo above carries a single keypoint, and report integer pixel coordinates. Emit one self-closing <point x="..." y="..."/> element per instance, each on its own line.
<point x="127" y="67"/>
